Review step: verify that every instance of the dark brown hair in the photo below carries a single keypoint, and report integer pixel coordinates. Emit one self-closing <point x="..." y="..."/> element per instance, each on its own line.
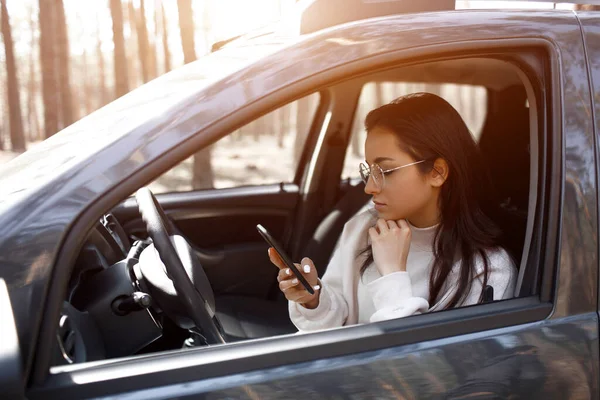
<point x="429" y="128"/>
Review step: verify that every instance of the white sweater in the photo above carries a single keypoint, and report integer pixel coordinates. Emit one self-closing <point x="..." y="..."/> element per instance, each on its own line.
<point x="348" y="299"/>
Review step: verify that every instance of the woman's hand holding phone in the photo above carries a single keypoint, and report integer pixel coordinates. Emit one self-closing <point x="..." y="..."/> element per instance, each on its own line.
<point x="289" y="284"/>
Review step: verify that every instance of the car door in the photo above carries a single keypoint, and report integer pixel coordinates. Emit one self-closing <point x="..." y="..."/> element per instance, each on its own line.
<point x="543" y="344"/>
<point x="590" y="20"/>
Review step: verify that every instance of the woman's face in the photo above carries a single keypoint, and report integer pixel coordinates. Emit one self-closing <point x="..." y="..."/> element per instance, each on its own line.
<point x="406" y="193"/>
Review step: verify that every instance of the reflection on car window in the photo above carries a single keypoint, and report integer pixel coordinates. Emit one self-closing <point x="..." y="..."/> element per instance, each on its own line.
<point x="469" y="100"/>
<point x="265" y="151"/>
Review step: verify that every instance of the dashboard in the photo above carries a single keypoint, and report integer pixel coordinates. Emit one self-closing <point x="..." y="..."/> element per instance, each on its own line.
<point x="98" y="319"/>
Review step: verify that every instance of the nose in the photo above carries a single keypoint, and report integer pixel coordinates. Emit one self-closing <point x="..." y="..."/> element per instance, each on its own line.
<point x="371" y="188"/>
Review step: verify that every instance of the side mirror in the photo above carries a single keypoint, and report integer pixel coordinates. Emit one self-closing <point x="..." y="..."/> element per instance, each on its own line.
<point x="11" y="371"/>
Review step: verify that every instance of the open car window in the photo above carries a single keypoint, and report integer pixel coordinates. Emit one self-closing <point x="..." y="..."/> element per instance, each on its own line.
<point x="264" y="151"/>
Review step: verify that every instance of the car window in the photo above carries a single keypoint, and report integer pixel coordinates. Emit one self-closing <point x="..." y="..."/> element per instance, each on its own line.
<point x="469" y="100"/>
<point x="265" y="151"/>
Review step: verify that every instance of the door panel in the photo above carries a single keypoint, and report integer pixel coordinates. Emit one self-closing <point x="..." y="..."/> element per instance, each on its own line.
<point x="532" y="360"/>
<point x="221" y="226"/>
<point x="526" y="362"/>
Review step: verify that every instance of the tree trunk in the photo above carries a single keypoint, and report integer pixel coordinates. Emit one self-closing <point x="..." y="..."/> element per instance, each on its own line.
<point x="132" y="44"/>
<point x="62" y="50"/>
<point x="17" y="139"/>
<point x="48" y="62"/>
<point x="121" y="80"/>
<point x="202" y="174"/>
<point x="152" y="39"/>
<point x="165" y="38"/>
<point x="86" y="91"/>
<point x="186" y="27"/>
<point x="142" y="39"/>
<point x="103" y="98"/>
<point x="33" y="123"/>
<point x="284" y="125"/>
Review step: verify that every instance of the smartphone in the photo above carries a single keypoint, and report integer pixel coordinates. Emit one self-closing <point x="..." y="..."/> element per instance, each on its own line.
<point x="286" y="259"/>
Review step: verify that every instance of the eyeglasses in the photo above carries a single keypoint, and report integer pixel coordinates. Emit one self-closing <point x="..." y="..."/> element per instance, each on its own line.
<point x="378" y="174"/>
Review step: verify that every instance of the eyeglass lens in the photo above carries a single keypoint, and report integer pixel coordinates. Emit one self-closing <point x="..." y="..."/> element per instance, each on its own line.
<point x="374" y="171"/>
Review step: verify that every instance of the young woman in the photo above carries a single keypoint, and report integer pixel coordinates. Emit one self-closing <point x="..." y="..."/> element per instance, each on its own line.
<point x="429" y="244"/>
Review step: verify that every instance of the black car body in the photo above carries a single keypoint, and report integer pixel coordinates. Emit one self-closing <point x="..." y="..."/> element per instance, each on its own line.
<point x="542" y="344"/>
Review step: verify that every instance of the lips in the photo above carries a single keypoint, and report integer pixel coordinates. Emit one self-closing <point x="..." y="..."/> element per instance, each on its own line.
<point x="378" y="204"/>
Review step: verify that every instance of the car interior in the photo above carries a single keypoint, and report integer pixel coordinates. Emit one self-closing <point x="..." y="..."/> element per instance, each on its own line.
<point x="121" y="299"/>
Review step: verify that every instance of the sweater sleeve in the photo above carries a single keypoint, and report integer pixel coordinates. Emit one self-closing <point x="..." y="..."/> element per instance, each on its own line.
<point x="502" y="278"/>
<point x="335" y="297"/>
<point x="393" y="297"/>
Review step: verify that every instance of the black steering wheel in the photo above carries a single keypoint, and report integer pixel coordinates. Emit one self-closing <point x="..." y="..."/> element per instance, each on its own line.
<point x="174" y="252"/>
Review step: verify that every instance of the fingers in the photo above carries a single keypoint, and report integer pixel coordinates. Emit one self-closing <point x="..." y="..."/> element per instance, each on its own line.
<point x="390" y="245"/>
<point x="290" y="285"/>
<point x="404" y="230"/>
<point x="309" y="271"/>
<point x="286" y="273"/>
<point x="373" y="233"/>
<point x="275" y="258"/>
<point x="300" y="297"/>
<point x="392" y="225"/>
<point x="382" y="226"/>
<point x="402" y="224"/>
<point x="294" y="291"/>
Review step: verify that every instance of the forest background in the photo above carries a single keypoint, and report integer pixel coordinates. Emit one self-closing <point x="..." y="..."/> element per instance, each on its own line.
<point x="60" y="60"/>
<point x="63" y="59"/>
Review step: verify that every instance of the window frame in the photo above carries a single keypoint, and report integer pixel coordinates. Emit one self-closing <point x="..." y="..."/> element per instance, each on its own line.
<point x="528" y="67"/>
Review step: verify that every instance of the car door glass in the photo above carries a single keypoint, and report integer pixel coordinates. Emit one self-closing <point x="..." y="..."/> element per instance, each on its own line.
<point x="470" y="101"/>
<point x="265" y="151"/>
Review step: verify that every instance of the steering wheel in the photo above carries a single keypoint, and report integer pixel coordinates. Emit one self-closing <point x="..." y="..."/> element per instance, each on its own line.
<point x="182" y="266"/>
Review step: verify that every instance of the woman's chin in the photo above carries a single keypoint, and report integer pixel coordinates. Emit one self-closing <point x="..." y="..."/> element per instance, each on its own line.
<point x="387" y="214"/>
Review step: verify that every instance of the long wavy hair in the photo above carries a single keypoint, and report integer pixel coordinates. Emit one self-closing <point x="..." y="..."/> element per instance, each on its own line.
<point x="429" y="128"/>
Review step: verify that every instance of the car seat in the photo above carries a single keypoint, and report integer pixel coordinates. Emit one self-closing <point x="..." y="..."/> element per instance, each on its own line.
<point x="504" y="144"/>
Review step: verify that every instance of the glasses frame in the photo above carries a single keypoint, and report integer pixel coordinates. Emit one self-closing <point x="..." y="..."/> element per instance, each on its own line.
<point x="364" y="166"/>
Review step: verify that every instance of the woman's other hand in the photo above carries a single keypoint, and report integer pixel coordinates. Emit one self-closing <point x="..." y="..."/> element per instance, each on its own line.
<point x="390" y="241"/>
<point x="291" y="287"/>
